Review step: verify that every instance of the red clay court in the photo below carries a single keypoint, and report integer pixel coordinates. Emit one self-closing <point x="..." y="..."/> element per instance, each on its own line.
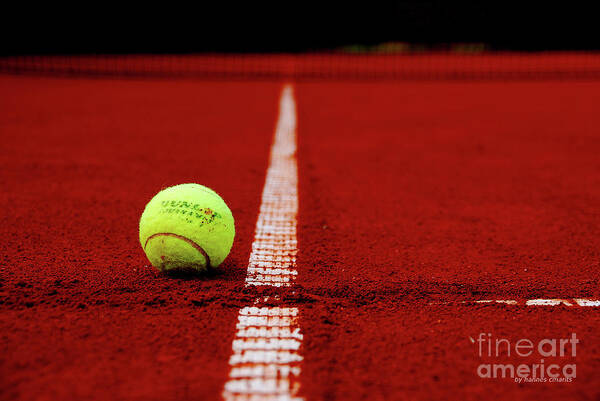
<point x="414" y="226"/>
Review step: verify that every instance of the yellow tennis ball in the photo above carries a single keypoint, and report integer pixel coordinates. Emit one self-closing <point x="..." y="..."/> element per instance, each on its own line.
<point x="186" y="227"/>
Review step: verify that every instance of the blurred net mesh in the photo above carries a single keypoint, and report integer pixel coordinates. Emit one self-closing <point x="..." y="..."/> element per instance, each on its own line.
<point x="392" y="61"/>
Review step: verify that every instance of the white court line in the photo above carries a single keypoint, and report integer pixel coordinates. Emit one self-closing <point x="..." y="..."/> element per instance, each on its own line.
<point x="265" y="363"/>
<point x="576" y="302"/>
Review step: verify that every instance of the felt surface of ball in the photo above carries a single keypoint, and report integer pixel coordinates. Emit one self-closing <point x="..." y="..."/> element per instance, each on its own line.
<point x="186" y="227"/>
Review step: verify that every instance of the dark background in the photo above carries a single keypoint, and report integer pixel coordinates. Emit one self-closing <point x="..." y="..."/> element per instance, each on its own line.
<point x="293" y="27"/>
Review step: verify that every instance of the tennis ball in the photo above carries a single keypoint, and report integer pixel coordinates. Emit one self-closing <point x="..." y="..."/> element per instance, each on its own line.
<point x="186" y="227"/>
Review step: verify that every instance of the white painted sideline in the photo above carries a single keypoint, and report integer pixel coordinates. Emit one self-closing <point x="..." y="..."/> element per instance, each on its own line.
<point x="576" y="302"/>
<point x="265" y="363"/>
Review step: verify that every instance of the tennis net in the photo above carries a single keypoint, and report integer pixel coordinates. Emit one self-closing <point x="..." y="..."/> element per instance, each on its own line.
<point x="462" y="63"/>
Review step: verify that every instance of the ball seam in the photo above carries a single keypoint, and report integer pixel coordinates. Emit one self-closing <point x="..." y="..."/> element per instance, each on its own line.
<point x="181" y="237"/>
